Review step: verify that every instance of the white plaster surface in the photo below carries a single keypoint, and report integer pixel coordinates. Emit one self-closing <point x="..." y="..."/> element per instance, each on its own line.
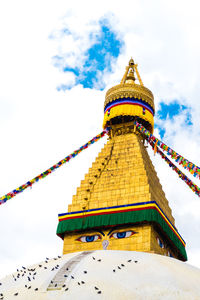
<point x="105" y="275"/>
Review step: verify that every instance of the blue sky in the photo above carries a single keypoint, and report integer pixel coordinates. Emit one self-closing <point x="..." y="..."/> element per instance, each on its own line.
<point x="105" y="48"/>
<point x="103" y="52"/>
<point x="169" y="112"/>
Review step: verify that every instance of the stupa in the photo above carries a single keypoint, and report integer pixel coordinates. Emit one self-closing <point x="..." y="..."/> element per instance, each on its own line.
<point x="119" y="235"/>
<point x="120" y="204"/>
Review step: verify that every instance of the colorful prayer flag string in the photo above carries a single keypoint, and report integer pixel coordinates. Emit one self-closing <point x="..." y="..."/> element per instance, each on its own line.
<point x="155" y="144"/>
<point x="20" y="189"/>
<point x="192" y="168"/>
<point x="181" y="175"/>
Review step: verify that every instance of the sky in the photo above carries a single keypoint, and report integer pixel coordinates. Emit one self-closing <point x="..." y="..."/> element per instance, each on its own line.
<point x="57" y="60"/>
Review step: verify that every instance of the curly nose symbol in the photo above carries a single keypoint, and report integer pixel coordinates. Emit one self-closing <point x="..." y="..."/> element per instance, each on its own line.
<point x="105" y="244"/>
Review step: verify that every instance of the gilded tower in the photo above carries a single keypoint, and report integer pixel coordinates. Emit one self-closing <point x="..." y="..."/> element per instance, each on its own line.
<point x="120" y="204"/>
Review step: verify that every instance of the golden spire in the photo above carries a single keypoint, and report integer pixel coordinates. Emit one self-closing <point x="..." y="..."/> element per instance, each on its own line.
<point x="120" y="204"/>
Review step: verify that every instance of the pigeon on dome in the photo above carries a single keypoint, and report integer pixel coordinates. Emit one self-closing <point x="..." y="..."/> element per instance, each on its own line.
<point x="113" y="275"/>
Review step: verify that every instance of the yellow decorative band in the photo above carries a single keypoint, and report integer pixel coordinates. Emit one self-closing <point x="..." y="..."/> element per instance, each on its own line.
<point x="128" y="110"/>
<point x="131" y="101"/>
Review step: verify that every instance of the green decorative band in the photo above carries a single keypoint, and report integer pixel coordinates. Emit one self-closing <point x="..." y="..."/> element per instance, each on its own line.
<point x="150" y="213"/>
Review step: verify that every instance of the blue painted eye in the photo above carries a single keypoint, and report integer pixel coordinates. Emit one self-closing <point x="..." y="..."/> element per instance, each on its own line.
<point x="169" y="254"/>
<point x="88" y="238"/>
<point x="160" y="243"/>
<point x="122" y="235"/>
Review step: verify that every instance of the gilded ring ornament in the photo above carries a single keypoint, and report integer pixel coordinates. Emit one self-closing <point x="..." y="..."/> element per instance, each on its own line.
<point x="129" y="91"/>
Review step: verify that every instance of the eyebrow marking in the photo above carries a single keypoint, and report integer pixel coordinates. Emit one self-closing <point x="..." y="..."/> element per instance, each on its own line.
<point x="115" y="228"/>
<point x="101" y="232"/>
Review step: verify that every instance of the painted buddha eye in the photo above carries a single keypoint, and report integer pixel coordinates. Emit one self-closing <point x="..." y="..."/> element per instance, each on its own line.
<point x="122" y="235"/>
<point x="89" y="238"/>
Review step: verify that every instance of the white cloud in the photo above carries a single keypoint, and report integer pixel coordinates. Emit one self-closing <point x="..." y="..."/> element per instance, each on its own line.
<point x="40" y="126"/>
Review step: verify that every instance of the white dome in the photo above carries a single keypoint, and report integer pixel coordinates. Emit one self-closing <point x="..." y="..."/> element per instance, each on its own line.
<point x="104" y="275"/>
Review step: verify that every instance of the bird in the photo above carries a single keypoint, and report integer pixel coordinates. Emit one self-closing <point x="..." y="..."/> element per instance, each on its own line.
<point x="64" y="285"/>
<point x="66" y="289"/>
<point x="129" y="260"/>
<point x="72" y="277"/>
<point x="96" y="288"/>
<point x="82" y="282"/>
<point x="29" y="287"/>
<point x="15" y="294"/>
<point x="136" y="261"/>
<point x="36" y="289"/>
<point x="122" y="265"/>
<point x="99" y="292"/>
<point x="85" y="272"/>
<point x="114" y="270"/>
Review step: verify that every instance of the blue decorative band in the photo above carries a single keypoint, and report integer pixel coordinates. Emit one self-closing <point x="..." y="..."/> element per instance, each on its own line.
<point x="130" y="101"/>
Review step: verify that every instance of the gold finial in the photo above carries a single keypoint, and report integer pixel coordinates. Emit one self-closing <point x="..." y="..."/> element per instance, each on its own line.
<point x="131" y="62"/>
<point x="129" y="76"/>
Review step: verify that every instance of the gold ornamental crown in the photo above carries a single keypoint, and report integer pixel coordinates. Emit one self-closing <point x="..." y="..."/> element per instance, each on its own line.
<point x="128" y="100"/>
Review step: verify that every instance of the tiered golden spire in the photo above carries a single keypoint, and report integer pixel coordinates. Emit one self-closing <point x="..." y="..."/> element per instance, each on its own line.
<point x="120" y="204"/>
